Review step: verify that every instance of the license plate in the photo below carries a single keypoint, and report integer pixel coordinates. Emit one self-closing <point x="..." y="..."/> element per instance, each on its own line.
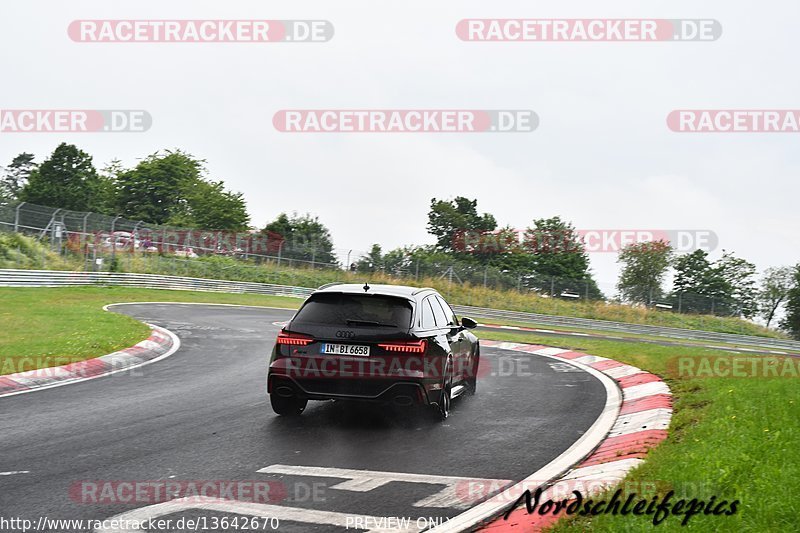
<point x="344" y="349"/>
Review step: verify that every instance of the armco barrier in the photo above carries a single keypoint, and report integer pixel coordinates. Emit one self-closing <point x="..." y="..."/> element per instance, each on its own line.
<point x="623" y="327"/>
<point x="56" y="278"/>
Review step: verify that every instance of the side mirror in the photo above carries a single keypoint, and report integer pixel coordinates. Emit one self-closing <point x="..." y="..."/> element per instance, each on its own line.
<point x="468" y="323"/>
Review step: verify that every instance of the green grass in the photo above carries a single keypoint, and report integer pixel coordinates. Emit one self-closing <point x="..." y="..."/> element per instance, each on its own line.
<point x="43" y="327"/>
<point x="737" y="438"/>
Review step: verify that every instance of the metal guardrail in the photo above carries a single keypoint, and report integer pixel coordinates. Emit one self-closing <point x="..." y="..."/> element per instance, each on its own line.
<point x="633" y="329"/>
<point x="57" y="278"/>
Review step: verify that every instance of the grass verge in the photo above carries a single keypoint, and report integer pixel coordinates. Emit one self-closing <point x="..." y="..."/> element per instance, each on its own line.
<point x="43" y="327"/>
<point x="736" y="438"/>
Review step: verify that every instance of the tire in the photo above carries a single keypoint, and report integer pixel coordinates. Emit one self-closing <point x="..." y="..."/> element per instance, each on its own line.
<point x="291" y="406"/>
<point x="472" y="381"/>
<point x="441" y="410"/>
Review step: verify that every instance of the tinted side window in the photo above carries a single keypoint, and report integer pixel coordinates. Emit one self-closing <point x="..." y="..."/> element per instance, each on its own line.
<point x="427" y="315"/>
<point x="451" y="316"/>
<point x="438" y="312"/>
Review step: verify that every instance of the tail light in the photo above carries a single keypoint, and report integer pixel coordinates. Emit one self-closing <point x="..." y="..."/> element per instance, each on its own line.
<point x="406" y="347"/>
<point x="293" y="339"/>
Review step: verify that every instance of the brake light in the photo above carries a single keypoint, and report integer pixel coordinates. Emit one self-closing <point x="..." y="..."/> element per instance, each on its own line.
<point x="293" y="339"/>
<point x="407" y="347"/>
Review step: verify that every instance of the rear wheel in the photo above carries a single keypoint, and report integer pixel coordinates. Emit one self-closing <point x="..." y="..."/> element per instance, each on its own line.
<point x="287" y="406"/>
<point x="441" y="410"/>
<point x="472" y="380"/>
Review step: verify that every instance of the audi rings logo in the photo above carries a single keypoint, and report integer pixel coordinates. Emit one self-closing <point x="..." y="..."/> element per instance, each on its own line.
<point x="345" y="334"/>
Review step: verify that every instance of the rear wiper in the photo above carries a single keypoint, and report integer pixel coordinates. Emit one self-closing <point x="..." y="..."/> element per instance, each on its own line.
<point x="352" y="322"/>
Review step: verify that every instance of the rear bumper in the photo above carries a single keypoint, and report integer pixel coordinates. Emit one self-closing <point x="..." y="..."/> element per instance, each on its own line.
<point x="396" y="391"/>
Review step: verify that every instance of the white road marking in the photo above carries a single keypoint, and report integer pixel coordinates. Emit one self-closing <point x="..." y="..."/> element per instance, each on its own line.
<point x="141" y="515"/>
<point x="453" y="495"/>
<point x="563" y="367"/>
<point x="15" y="472"/>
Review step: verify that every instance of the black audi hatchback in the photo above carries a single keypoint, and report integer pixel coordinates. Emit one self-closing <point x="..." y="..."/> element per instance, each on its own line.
<point x="381" y="343"/>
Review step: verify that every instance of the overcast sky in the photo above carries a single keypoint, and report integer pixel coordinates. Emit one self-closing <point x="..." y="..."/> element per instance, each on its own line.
<point x="602" y="156"/>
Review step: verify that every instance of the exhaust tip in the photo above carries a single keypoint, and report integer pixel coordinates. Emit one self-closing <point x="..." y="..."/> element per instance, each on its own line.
<point x="284" y="391"/>
<point x="403" y="400"/>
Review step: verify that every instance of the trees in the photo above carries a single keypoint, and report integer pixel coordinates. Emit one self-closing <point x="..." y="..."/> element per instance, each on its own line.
<point x="791" y="322"/>
<point x="774" y="290"/>
<point x="696" y="283"/>
<point x="558" y="258"/>
<point x="549" y="258"/>
<point x="170" y="188"/>
<point x="371" y="262"/>
<point x="724" y="287"/>
<point x="16" y="175"/>
<point x="643" y="268"/>
<point x="155" y="190"/>
<point x="208" y="205"/>
<point x="165" y="188"/>
<point x="449" y="220"/>
<point x="691" y="271"/>
<point x="739" y="277"/>
<point x="304" y="238"/>
<point x="67" y="180"/>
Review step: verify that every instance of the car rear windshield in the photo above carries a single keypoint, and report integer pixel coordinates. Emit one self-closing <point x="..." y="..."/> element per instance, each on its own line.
<point x="355" y="310"/>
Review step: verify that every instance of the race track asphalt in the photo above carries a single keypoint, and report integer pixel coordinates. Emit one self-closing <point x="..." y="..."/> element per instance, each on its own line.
<point x="202" y="414"/>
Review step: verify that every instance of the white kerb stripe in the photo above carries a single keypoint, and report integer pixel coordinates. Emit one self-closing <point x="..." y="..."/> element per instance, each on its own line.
<point x="590" y="359"/>
<point x="622" y="371"/>
<point x="645" y="389"/>
<point x="641" y="421"/>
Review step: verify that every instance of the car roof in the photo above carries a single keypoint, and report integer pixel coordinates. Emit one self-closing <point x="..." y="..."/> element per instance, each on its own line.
<point x="403" y="291"/>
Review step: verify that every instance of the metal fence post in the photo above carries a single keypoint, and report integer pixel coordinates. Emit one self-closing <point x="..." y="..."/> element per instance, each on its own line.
<point x="114" y="240"/>
<point x="16" y="217"/>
